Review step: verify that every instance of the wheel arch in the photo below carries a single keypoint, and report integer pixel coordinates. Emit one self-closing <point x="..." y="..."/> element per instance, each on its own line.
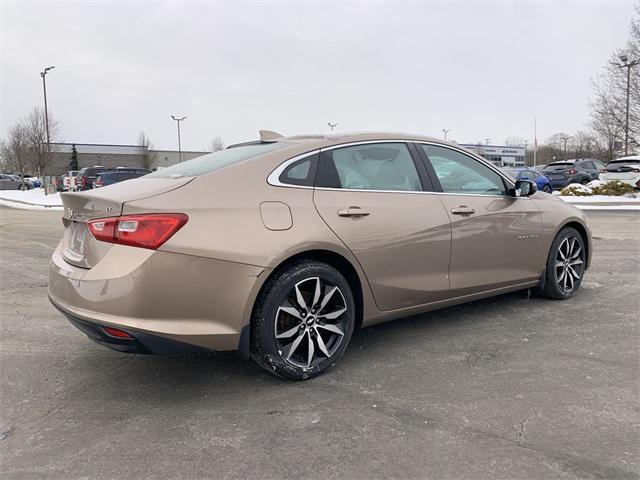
<point x="336" y="260"/>
<point x="584" y="233"/>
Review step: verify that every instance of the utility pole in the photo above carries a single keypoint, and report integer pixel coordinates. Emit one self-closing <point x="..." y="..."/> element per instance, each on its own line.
<point x="486" y="141"/>
<point x="445" y="131"/>
<point x="564" y="149"/>
<point x="43" y="74"/>
<point x="627" y="64"/>
<point x="332" y="126"/>
<point x="178" y="120"/>
<point x="535" y="140"/>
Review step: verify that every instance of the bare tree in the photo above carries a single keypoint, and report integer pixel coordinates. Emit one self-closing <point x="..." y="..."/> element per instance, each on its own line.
<point x="15" y="150"/>
<point x="149" y="157"/>
<point x="216" y="144"/>
<point x="35" y="130"/>
<point x="608" y="105"/>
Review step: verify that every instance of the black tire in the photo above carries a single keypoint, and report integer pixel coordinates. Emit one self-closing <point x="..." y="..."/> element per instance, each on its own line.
<point x="24" y="187"/>
<point x="547" y="189"/>
<point x="554" y="282"/>
<point x="585" y="181"/>
<point x="268" y="316"/>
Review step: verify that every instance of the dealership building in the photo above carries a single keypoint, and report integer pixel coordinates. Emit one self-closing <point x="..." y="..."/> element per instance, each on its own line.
<point x="112" y="156"/>
<point x="501" y="156"/>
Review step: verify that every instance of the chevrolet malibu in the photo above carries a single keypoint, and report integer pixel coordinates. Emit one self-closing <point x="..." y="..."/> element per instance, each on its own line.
<point x="281" y="248"/>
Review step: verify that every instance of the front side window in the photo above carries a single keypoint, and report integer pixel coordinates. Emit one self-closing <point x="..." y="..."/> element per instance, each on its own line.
<point x="375" y="166"/>
<point x="459" y="173"/>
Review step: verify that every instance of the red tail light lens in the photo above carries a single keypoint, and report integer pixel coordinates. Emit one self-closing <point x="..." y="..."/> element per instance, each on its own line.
<point x="145" y="231"/>
<point x="573" y="171"/>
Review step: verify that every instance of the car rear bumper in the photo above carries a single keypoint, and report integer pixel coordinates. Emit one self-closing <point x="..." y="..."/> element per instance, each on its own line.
<point x="194" y="301"/>
<point x="140" y="342"/>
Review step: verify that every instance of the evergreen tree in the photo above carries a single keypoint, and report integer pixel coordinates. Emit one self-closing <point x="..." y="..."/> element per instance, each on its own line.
<point x="73" y="164"/>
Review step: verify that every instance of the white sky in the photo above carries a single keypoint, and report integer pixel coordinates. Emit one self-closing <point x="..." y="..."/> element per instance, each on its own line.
<point x="480" y="69"/>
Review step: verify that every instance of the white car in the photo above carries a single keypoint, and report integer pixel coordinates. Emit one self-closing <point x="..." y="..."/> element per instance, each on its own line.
<point x="624" y="169"/>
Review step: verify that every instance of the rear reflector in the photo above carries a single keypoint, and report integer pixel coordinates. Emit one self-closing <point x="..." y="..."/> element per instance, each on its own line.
<point x="148" y="230"/>
<point x="114" y="332"/>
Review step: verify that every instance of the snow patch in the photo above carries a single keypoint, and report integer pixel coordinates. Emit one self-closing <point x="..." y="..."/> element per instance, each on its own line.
<point x="33" y="199"/>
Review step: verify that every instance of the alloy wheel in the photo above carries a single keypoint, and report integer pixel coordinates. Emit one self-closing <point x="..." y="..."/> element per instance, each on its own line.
<point x="311" y="323"/>
<point x="569" y="264"/>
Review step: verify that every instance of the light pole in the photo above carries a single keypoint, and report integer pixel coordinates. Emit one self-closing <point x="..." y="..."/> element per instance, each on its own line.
<point x="43" y="74"/>
<point x="332" y="125"/>
<point x="627" y="64"/>
<point x="445" y="131"/>
<point x="178" y="120"/>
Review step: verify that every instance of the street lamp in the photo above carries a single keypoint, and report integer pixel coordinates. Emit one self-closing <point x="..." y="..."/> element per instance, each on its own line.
<point x="178" y="120"/>
<point x="332" y="125"/>
<point x="445" y="131"/>
<point x="627" y="64"/>
<point x="43" y="74"/>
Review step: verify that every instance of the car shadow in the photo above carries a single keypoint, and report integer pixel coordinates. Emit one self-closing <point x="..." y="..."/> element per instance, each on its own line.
<point x="182" y="378"/>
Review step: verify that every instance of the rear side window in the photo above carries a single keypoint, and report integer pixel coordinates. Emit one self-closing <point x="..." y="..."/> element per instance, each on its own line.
<point x="588" y="165"/>
<point x="214" y="161"/>
<point x="377" y="166"/>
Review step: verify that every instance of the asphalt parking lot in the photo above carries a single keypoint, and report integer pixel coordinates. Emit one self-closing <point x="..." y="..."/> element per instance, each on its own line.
<point x="509" y="387"/>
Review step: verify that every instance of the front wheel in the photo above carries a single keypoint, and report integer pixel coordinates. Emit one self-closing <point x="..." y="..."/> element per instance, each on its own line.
<point x="302" y="321"/>
<point x="565" y="265"/>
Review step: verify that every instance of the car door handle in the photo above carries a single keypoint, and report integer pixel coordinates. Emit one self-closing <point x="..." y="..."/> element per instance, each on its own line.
<point x="353" y="212"/>
<point x="462" y="210"/>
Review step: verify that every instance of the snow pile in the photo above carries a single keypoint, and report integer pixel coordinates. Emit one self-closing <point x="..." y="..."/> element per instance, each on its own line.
<point x="596" y="183"/>
<point x="34" y="199"/>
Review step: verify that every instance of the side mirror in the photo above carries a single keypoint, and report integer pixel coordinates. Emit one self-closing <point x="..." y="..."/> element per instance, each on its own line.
<point x="523" y="188"/>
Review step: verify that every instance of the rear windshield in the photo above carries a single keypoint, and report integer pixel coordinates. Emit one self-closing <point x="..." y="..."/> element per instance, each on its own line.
<point x="216" y="160"/>
<point x="559" y="164"/>
<point x="624" y="162"/>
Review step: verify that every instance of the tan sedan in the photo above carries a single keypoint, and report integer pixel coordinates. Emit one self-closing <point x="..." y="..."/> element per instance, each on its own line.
<point x="282" y="247"/>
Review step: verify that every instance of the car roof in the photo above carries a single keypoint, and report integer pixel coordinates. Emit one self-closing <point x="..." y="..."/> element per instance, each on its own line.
<point x="630" y="157"/>
<point x="313" y="141"/>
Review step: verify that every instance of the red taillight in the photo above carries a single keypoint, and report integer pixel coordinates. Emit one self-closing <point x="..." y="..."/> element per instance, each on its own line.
<point x="83" y="182"/>
<point x="99" y="183"/>
<point x="145" y="231"/>
<point x="114" y="332"/>
<point x="573" y="171"/>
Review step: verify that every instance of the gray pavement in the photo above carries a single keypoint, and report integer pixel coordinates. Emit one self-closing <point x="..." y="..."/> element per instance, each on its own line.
<point x="508" y="387"/>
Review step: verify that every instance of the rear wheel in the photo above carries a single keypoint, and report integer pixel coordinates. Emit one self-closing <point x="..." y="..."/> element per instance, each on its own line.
<point x="565" y="265"/>
<point x="303" y="321"/>
<point x="24" y="186"/>
<point x="547" y="189"/>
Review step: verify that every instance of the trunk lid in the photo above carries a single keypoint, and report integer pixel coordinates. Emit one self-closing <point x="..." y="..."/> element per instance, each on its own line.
<point x="79" y="247"/>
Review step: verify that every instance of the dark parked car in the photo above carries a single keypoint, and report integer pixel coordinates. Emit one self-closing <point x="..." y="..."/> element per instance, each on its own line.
<point x="109" y="177"/>
<point x="88" y="175"/>
<point x="519" y="173"/>
<point x="581" y="170"/>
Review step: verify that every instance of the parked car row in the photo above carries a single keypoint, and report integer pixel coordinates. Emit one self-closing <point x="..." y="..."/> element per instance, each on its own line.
<point x="95" y="177"/>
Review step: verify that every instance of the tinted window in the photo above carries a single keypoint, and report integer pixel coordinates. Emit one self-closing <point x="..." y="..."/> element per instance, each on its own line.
<point x="301" y="172"/>
<point x="589" y="165"/>
<point x="214" y="161"/>
<point x="376" y="166"/>
<point x="459" y="173"/>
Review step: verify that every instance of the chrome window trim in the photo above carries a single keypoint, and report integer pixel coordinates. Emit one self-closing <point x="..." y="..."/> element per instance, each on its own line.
<point x="274" y="177"/>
